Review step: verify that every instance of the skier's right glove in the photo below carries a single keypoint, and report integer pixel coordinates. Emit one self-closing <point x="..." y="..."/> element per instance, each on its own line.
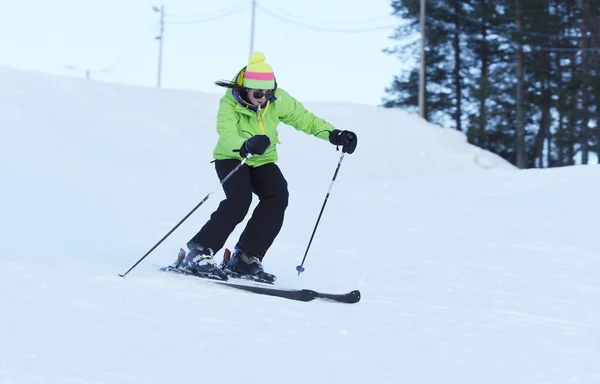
<point x="256" y="145"/>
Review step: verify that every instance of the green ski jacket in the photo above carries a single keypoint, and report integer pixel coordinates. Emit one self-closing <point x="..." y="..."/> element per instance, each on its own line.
<point x="238" y="120"/>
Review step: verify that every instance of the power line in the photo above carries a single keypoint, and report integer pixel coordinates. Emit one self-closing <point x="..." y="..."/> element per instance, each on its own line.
<point x="354" y="22"/>
<point x="205" y="18"/>
<point x="143" y="39"/>
<point x="322" y="29"/>
<point x="204" y="15"/>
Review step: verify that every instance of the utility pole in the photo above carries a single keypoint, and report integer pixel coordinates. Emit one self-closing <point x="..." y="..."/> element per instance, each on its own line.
<point x="422" y="70"/>
<point x="160" y="39"/>
<point x="252" y="26"/>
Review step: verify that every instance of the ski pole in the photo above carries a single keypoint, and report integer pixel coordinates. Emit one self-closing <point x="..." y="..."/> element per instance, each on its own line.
<point x="300" y="268"/>
<point x="189" y="214"/>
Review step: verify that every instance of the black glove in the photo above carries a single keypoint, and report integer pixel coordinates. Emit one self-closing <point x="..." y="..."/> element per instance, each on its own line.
<point x="256" y="145"/>
<point x="346" y="139"/>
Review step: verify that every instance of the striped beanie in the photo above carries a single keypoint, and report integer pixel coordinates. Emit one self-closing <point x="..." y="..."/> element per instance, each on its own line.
<point x="259" y="75"/>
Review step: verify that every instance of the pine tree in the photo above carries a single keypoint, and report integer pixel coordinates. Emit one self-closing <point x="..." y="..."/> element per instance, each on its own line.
<point x="520" y="77"/>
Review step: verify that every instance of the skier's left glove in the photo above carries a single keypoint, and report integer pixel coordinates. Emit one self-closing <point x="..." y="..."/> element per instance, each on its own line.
<point x="347" y="139"/>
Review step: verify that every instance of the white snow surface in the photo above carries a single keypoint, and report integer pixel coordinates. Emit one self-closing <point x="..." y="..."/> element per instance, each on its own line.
<point x="470" y="271"/>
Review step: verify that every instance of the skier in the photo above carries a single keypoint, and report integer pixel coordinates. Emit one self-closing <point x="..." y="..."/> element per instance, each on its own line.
<point x="247" y="119"/>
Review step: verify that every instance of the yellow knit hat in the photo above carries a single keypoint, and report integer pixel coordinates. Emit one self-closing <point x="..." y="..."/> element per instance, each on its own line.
<point x="259" y="75"/>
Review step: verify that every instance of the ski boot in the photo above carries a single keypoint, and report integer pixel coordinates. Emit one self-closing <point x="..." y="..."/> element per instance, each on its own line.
<point x="245" y="266"/>
<point x="199" y="261"/>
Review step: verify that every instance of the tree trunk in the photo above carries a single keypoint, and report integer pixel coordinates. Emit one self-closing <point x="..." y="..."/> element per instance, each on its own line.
<point x="545" y="120"/>
<point x="585" y="107"/>
<point x="521" y="156"/>
<point x="547" y="97"/>
<point x="560" y="106"/>
<point x="596" y="57"/>
<point x="572" y="96"/>
<point x="560" y="102"/>
<point x="541" y="136"/>
<point x="457" y="65"/>
<point x="572" y="115"/>
<point x="484" y="78"/>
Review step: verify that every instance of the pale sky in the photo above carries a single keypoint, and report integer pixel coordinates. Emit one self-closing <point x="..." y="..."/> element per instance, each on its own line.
<point x="118" y="35"/>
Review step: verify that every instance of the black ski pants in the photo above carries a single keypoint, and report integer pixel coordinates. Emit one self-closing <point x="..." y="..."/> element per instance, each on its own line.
<point x="268" y="183"/>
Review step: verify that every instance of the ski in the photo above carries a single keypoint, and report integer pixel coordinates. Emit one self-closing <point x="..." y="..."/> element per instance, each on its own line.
<point x="268" y="289"/>
<point x="352" y="297"/>
<point x="304" y="295"/>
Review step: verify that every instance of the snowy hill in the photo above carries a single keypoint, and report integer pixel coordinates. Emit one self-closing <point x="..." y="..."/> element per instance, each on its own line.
<point x="471" y="271"/>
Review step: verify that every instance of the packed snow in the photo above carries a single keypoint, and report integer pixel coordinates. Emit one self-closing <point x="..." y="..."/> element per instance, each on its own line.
<point x="470" y="270"/>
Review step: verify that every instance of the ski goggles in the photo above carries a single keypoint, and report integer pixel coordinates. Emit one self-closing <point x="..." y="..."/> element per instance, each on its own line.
<point x="260" y="93"/>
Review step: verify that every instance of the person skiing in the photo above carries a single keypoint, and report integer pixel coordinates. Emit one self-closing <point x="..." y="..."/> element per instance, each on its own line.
<point x="247" y="120"/>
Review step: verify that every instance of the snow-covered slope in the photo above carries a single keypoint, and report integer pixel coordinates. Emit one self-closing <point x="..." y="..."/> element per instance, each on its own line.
<point x="471" y="271"/>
